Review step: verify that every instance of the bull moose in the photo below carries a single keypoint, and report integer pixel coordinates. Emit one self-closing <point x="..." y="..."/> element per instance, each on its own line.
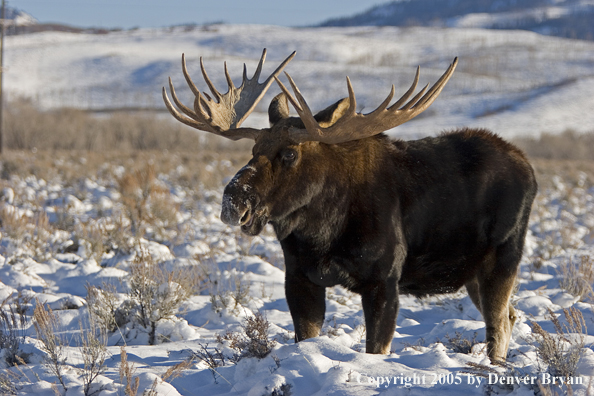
<point x="380" y="217"/>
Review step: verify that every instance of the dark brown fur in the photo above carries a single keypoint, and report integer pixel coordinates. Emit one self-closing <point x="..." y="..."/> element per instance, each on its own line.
<point x="383" y="217"/>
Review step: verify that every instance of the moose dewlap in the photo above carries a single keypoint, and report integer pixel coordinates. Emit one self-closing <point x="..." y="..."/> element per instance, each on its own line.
<point x="380" y="217"/>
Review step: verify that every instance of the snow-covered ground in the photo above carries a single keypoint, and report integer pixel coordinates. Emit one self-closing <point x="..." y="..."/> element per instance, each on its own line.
<point x="514" y="82"/>
<point x="47" y="251"/>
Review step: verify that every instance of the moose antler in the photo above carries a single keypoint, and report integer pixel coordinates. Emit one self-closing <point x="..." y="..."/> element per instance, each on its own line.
<point x="224" y="114"/>
<point x="353" y="125"/>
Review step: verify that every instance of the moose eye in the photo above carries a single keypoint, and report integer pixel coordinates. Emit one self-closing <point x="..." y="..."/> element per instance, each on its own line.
<point x="288" y="156"/>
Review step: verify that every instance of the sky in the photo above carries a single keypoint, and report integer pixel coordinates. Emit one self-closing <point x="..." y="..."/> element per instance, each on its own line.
<point x="157" y="13"/>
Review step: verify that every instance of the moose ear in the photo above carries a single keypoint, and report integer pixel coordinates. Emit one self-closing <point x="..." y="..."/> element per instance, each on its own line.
<point x="332" y="113"/>
<point x="278" y="109"/>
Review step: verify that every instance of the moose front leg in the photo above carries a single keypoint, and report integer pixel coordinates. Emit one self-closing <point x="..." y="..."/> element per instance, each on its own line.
<point x="380" y="307"/>
<point x="307" y="304"/>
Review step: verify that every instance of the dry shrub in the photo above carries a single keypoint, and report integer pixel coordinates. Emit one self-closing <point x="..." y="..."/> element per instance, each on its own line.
<point x="569" y="145"/>
<point x="256" y="330"/>
<point x="117" y="235"/>
<point x="199" y="168"/>
<point x="253" y="341"/>
<point x="93" y="348"/>
<point x="14" y="223"/>
<point x="234" y="299"/>
<point x="282" y="390"/>
<point x="163" y="218"/>
<point x="39" y="240"/>
<point x="103" y="305"/>
<point x="176" y="371"/>
<point x="171" y="374"/>
<point x="27" y="127"/>
<point x="136" y="188"/>
<point x="213" y="358"/>
<point x="108" y="234"/>
<point x="127" y="371"/>
<point x="93" y="235"/>
<point x="459" y="343"/>
<point x="46" y="325"/>
<point x="7" y="384"/>
<point x="156" y="292"/>
<point x="14" y="321"/>
<point x="32" y="232"/>
<point x="71" y="129"/>
<point x="577" y="278"/>
<point x="560" y="352"/>
<point x="148" y="202"/>
<point x="65" y="219"/>
<point x="9" y="168"/>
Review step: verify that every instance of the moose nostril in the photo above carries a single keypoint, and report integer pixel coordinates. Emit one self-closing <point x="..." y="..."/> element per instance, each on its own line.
<point x="245" y="217"/>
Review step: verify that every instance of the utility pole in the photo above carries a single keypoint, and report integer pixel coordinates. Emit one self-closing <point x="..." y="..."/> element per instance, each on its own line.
<point x="2" y="76"/>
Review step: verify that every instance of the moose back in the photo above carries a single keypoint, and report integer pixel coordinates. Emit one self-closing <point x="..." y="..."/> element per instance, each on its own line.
<point x="380" y="217"/>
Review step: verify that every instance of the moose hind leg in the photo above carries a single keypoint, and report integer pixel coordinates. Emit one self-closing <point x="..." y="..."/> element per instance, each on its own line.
<point x="496" y="283"/>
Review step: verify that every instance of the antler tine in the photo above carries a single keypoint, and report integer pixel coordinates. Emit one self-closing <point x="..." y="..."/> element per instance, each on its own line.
<point x="245" y="77"/>
<point x="386" y="101"/>
<point x="437" y="87"/>
<point x="252" y="86"/>
<point x="289" y="96"/>
<point x="302" y="103"/>
<point x="211" y="86"/>
<point x="228" y="77"/>
<point x="186" y="110"/>
<point x="305" y="113"/>
<point x="193" y="87"/>
<point x="280" y="68"/>
<point x="300" y="106"/>
<point x="410" y="91"/>
<point x="352" y="99"/>
<point x="414" y="100"/>
<point x="181" y="118"/>
<point x="260" y="64"/>
<point x="206" y="117"/>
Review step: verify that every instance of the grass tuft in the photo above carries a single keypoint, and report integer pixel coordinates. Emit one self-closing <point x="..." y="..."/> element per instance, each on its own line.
<point x="46" y="325"/>
<point x="127" y="371"/>
<point x="253" y="341"/>
<point x="560" y="352"/>
<point x="577" y="278"/>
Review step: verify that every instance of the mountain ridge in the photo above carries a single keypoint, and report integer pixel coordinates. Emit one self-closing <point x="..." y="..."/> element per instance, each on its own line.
<point x="563" y="18"/>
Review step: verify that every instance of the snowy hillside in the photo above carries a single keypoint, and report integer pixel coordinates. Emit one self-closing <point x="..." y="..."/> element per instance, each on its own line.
<point x="17" y="17"/>
<point x="563" y="18"/>
<point x="514" y="82"/>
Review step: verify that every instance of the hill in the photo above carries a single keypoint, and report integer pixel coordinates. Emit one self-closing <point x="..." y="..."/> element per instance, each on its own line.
<point x="564" y="18"/>
<point x="20" y="22"/>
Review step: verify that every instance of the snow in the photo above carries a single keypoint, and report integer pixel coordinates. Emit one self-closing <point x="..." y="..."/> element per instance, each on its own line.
<point x="503" y="19"/>
<point x="541" y="95"/>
